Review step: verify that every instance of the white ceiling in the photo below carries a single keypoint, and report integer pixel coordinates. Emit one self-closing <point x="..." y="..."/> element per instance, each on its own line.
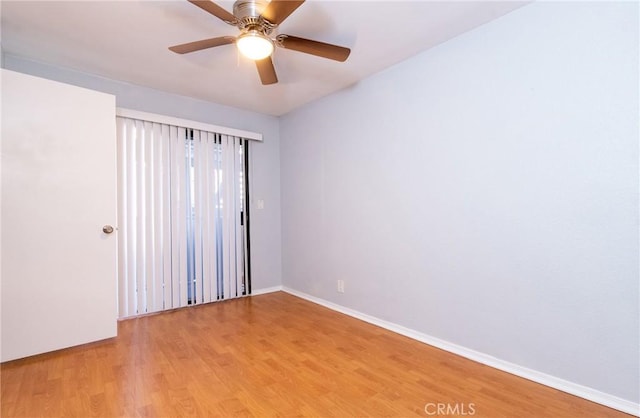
<point x="128" y="40"/>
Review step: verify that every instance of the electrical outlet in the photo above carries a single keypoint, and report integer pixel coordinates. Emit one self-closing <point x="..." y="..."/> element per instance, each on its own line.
<point x="340" y="286"/>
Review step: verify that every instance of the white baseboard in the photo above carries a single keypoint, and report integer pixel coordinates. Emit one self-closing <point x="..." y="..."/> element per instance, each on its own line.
<point x="533" y="375"/>
<point x="266" y="290"/>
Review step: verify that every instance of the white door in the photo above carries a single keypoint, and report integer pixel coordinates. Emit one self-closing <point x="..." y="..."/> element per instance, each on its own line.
<point x="58" y="189"/>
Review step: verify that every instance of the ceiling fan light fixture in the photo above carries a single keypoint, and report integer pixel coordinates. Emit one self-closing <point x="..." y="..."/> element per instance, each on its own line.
<point x="254" y="45"/>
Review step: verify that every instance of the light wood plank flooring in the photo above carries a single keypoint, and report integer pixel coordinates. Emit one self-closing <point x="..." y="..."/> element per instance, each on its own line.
<point x="269" y="355"/>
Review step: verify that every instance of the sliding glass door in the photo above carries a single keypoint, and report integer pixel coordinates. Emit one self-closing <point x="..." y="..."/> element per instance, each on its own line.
<point x="183" y="216"/>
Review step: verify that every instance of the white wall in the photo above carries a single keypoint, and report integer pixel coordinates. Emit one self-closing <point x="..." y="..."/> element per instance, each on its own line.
<point x="485" y="193"/>
<point x="266" y="269"/>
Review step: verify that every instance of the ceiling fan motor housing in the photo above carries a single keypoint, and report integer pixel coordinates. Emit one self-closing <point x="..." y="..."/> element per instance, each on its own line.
<point x="248" y="14"/>
<point x="249" y="8"/>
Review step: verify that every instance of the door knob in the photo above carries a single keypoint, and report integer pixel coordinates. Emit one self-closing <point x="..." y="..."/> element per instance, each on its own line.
<point x="107" y="229"/>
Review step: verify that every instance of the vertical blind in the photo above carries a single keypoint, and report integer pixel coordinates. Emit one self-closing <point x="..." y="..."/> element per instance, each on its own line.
<point x="181" y="215"/>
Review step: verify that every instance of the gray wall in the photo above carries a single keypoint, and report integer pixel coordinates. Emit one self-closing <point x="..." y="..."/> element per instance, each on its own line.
<point x="485" y="193"/>
<point x="265" y="163"/>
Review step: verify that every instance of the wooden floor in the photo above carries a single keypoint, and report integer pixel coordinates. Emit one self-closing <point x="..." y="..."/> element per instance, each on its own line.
<point x="270" y="355"/>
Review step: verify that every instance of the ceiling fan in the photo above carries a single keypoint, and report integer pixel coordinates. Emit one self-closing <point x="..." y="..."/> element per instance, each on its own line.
<point x="257" y="19"/>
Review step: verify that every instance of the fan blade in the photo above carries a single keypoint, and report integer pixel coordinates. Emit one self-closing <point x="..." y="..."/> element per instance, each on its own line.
<point x="320" y="49"/>
<point x="278" y="10"/>
<point x="266" y="71"/>
<point x="215" y="10"/>
<point x="203" y="44"/>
